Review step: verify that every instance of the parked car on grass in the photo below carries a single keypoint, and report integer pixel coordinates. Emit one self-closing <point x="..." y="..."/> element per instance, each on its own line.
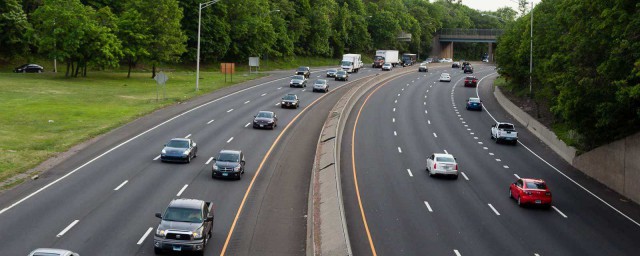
<point x="29" y="68"/>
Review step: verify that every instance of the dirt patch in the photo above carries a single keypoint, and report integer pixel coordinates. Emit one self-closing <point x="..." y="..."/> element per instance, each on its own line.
<point x="540" y="110"/>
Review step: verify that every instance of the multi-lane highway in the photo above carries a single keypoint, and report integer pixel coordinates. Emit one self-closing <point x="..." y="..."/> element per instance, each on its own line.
<point x="102" y="200"/>
<point x="393" y="207"/>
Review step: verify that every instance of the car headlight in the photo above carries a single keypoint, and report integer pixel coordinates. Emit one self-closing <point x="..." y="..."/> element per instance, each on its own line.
<point x="161" y="232"/>
<point x="198" y="233"/>
<point x="270" y="121"/>
<point x="215" y="167"/>
<point x="186" y="152"/>
<point x="237" y="168"/>
<point x="283" y="102"/>
<point x="164" y="151"/>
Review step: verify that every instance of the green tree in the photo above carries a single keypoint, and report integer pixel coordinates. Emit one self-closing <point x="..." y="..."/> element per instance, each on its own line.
<point x="215" y="30"/>
<point x="14" y="39"/>
<point x="135" y="37"/>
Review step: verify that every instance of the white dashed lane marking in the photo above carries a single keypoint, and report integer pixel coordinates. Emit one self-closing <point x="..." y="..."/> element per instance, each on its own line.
<point x="247" y="125"/>
<point x="229" y="110"/>
<point x="182" y="190"/>
<point x="457" y="253"/>
<point x="210" y="121"/>
<point x="393" y="120"/>
<point x="494" y="209"/>
<point x="518" y="177"/>
<point x="121" y="185"/>
<point x="144" y="236"/>
<point x="67" y="228"/>
<point x="395" y="133"/>
<point x="465" y="176"/>
<point x="209" y="161"/>
<point x="230" y="139"/>
<point x="409" y="171"/>
<point x="428" y="206"/>
<point x="247" y="102"/>
<point x="186" y="137"/>
<point x="157" y="157"/>
<point x="263" y="94"/>
<point x="561" y="213"/>
<point x="435" y="135"/>
<point x="399" y="150"/>
<point x="505" y="166"/>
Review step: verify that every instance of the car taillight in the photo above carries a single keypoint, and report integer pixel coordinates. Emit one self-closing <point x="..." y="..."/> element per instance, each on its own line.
<point x="456" y="167"/>
<point x="435" y="166"/>
<point x="548" y="193"/>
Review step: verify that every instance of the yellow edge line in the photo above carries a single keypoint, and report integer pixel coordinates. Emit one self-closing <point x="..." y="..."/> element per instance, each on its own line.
<point x="246" y="194"/>
<point x="353" y="165"/>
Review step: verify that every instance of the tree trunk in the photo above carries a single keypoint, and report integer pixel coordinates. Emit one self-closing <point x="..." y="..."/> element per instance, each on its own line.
<point x="129" y="73"/>
<point x="77" y="69"/>
<point x="68" y="66"/>
<point x="153" y="74"/>
<point x="84" y="70"/>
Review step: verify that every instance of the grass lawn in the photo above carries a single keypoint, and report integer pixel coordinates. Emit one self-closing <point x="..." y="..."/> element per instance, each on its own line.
<point x="45" y="114"/>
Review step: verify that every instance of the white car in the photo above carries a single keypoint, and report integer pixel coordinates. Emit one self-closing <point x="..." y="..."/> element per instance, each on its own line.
<point x="447" y="60"/>
<point x="442" y="164"/>
<point x="320" y="86"/>
<point x="445" y="77"/>
<point x="387" y="67"/>
<point x="52" y="252"/>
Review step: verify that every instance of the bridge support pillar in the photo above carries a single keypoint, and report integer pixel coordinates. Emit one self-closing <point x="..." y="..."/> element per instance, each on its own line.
<point x="491" y="50"/>
<point x="447" y="50"/>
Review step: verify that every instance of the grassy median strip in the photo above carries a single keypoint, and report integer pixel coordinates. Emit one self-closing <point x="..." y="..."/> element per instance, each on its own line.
<point x="46" y="114"/>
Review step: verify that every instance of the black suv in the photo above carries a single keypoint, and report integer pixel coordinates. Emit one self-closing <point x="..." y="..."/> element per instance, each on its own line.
<point x="228" y="164"/>
<point x="464" y="64"/>
<point x="290" y="100"/>
<point x="186" y="225"/>
<point x="468" y="69"/>
<point x="305" y="71"/>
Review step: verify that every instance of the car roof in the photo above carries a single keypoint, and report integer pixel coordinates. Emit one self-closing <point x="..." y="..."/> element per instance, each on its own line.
<point x="292" y="94"/>
<point x="532" y="179"/>
<point x="264" y="111"/>
<point x="474" y="98"/>
<point x="186" y="203"/>
<point x="443" y="154"/>
<point x="473" y="77"/>
<point x="50" y="251"/>
<point x="445" y="74"/>
<point x="180" y="139"/>
<point x="230" y="151"/>
<point x="321" y="80"/>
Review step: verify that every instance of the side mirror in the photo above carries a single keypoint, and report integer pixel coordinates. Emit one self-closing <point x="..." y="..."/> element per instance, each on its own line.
<point x="243" y="162"/>
<point x="159" y="215"/>
<point x="214" y="159"/>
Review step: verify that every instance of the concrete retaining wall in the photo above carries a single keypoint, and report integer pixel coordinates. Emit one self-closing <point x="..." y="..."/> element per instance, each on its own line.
<point x="617" y="164"/>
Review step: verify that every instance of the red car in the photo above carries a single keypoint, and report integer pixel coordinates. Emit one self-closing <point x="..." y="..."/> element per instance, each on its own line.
<point x="530" y="191"/>
<point x="470" y="81"/>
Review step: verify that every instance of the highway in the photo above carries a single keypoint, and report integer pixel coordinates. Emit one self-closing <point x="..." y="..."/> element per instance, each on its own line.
<point x="102" y="200"/>
<point x="393" y="207"/>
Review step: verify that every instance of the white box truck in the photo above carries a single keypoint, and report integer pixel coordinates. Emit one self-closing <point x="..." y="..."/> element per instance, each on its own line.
<point x="351" y="62"/>
<point x="385" y="56"/>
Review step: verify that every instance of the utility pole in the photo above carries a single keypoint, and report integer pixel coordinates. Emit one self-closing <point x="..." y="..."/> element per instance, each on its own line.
<point x="201" y="6"/>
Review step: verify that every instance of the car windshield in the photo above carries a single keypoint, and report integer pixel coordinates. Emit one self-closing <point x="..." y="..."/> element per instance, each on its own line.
<point x="264" y="114"/>
<point x="320" y="82"/>
<point x="506" y="127"/>
<point x="183" y="215"/>
<point x="536" y="185"/>
<point x="387" y="65"/>
<point x="298" y="77"/>
<point x="471" y="77"/>
<point x="342" y="72"/>
<point x="474" y="99"/>
<point x="332" y="70"/>
<point x="178" y="144"/>
<point x="445" y="159"/>
<point x="228" y="157"/>
<point x="289" y="97"/>
<point x="345" y="63"/>
<point x="302" y="69"/>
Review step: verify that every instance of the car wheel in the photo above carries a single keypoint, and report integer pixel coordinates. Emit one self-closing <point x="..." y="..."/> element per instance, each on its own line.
<point x="189" y="159"/>
<point x="510" y="195"/>
<point x="519" y="202"/>
<point x="291" y="86"/>
<point x="239" y="176"/>
<point x="455" y="177"/>
<point x="213" y="176"/>
<point x="157" y="250"/>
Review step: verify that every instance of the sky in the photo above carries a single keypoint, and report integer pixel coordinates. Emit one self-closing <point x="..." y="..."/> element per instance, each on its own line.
<point x="493" y="5"/>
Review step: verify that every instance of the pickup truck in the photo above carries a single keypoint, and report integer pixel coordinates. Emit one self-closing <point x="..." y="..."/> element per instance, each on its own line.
<point x="185" y="226"/>
<point x="504" y="132"/>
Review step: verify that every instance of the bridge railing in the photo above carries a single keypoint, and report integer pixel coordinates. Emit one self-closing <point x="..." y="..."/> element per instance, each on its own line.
<point x="470" y="32"/>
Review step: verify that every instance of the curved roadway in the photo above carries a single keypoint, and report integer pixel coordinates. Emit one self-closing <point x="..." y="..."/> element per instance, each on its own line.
<point x="397" y="209"/>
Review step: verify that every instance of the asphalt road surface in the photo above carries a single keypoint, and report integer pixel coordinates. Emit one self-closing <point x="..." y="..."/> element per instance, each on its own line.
<point x="102" y="200"/>
<point x="406" y="212"/>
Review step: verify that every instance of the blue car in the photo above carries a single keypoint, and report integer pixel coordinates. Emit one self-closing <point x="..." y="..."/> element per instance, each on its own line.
<point x="474" y="104"/>
<point x="179" y="150"/>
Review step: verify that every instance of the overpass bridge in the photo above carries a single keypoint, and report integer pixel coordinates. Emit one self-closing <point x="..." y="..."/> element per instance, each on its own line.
<point x="443" y="42"/>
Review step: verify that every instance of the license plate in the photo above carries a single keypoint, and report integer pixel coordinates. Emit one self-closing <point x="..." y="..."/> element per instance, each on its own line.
<point x="538" y="201"/>
<point x="177" y="248"/>
<point x="225" y="174"/>
<point x="262" y="125"/>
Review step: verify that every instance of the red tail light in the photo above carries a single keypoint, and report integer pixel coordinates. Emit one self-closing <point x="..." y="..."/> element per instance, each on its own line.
<point x="548" y="193"/>
<point x="456" y="167"/>
<point x="435" y="166"/>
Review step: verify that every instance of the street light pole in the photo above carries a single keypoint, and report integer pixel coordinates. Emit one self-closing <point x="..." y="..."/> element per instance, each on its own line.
<point x="201" y="6"/>
<point x="531" y="54"/>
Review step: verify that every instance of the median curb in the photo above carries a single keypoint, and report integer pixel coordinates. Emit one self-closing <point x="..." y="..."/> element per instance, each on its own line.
<point x="327" y="232"/>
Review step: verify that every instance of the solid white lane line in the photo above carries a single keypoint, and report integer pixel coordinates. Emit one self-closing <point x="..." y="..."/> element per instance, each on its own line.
<point x="506" y="166"/>
<point x="393" y="120"/>
<point x="263" y="94"/>
<point x="157" y="157"/>
<point x="247" y="102"/>
<point x="435" y="135"/>
<point x="182" y="190"/>
<point x="494" y="209"/>
<point x="210" y="121"/>
<point x="395" y="133"/>
<point x="230" y="139"/>
<point x="67" y="228"/>
<point x="457" y="253"/>
<point x="409" y="171"/>
<point x="516" y="176"/>
<point x="399" y="150"/>
<point x="445" y="151"/>
<point x="229" y="110"/>
<point x="121" y="185"/>
<point x="565" y="216"/>
<point x="498" y="160"/>
<point x="428" y="206"/>
<point x="144" y="236"/>
<point x="465" y="176"/>
<point x="186" y="137"/>
<point x="247" y="125"/>
<point x="209" y="161"/>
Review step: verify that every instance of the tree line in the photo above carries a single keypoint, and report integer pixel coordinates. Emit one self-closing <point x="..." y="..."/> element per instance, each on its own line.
<point x="586" y="58"/>
<point x="108" y="33"/>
